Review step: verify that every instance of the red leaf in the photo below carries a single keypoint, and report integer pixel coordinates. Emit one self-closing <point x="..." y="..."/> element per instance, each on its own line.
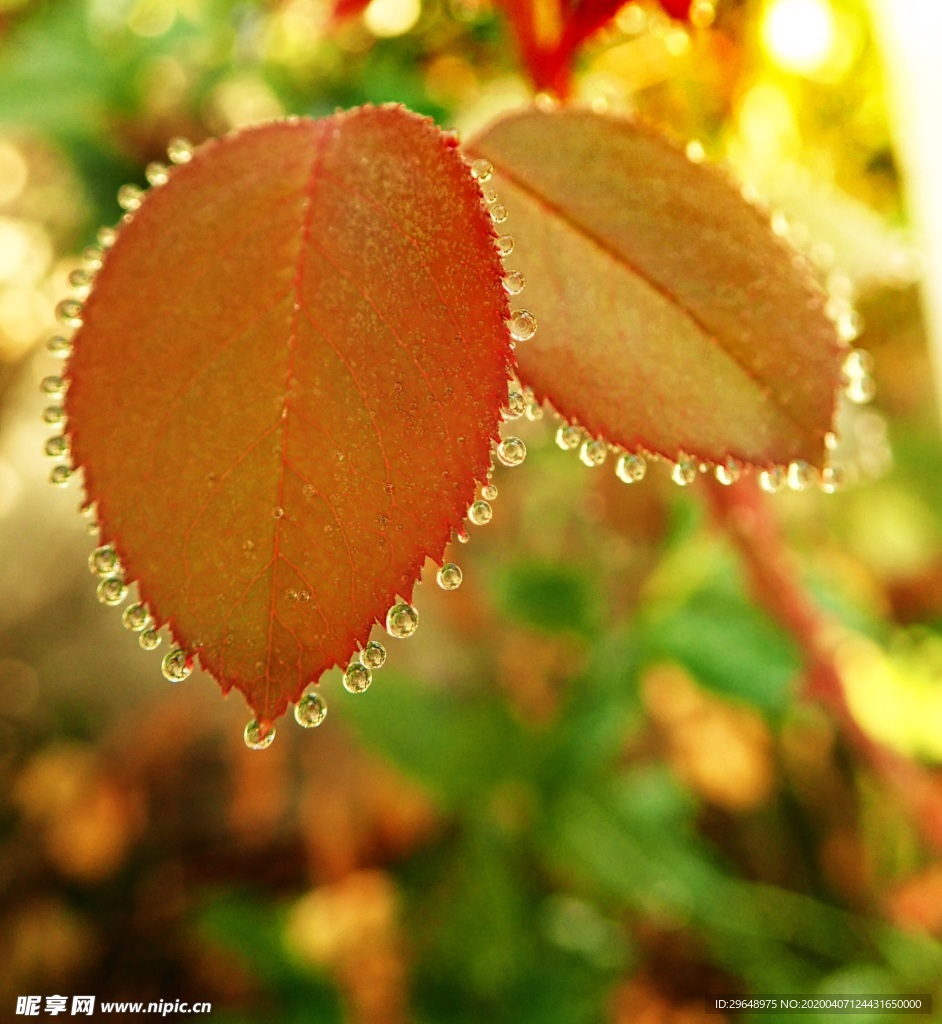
<point x="671" y="318"/>
<point x="270" y="393"/>
<point x="548" y="33"/>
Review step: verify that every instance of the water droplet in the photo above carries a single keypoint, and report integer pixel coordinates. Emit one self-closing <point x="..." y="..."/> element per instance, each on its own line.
<point x="291" y="594"/>
<point x="57" y="447"/>
<point x="849" y="325"/>
<point x="59" y="346"/>
<point x="516" y="404"/>
<point x="255" y="738"/>
<point x="593" y="453"/>
<point x="180" y="150"/>
<point x="488" y="492"/>
<point x="631" y="467"/>
<point x="480" y="513"/>
<point x="684" y="471"/>
<point x="277" y="513"/>
<point x="130" y="197"/>
<point x="157" y="173"/>
<point x="69" y="312"/>
<point x="402" y="620"/>
<point x="834" y="478"/>
<point x="107" y="237"/>
<point x="53" y="386"/>
<point x="373" y="655"/>
<point x="304" y="596"/>
<point x="93" y="257"/>
<point x="728" y="472"/>
<point x="449" y="576"/>
<point x="103" y="561"/>
<point x="861" y="390"/>
<point x="357" y="678"/>
<point x="309" y="491"/>
<point x="177" y="665"/>
<point x="489" y="195"/>
<point x="522" y="324"/>
<point x="149" y="639"/>
<point x="112" y="590"/>
<point x="513" y="282"/>
<point x="511" y="451"/>
<point x="568" y="437"/>
<point x="831" y="441"/>
<point x="534" y="410"/>
<point x="772" y="480"/>
<point x="463" y="536"/>
<point x="338" y="455"/>
<point x="695" y="152"/>
<point x="249" y="546"/>
<point x="135" y="618"/>
<point x="54" y="415"/>
<point x="60" y="476"/>
<point x="780" y="224"/>
<point x="82" y="280"/>
<point x="482" y="170"/>
<point x="498" y="213"/>
<point x="310" y="711"/>
<point x="388" y="488"/>
<point x="801" y="475"/>
<point x="505" y="244"/>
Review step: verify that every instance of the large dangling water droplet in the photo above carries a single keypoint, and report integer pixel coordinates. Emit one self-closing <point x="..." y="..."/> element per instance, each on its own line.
<point x="482" y="170"/>
<point x="180" y="151"/>
<point x="729" y="471"/>
<point x="310" y="711"/>
<point x="534" y="411"/>
<point x="53" y="386"/>
<point x="516" y="404"/>
<point x="480" y="513"/>
<point x="373" y="655"/>
<point x="402" y="620"/>
<point x="149" y="639"/>
<point x="514" y="282"/>
<point x="60" y="476"/>
<point x="176" y="665"/>
<point x="801" y="475"/>
<point x="112" y="590"/>
<point x="684" y="471"/>
<point x="135" y="618"/>
<point x="593" y="453"/>
<point x="59" y="347"/>
<point x="462" y="535"/>
<point x="357" y="678"/>
<point x="568" y="437"/>
<point x="522" y="324"/>
<point x="57" y="447"/>
<point x="489" y="492"/>
<point x="631" y="467"/>
<point x="511" y="451"/>
<point x="505" y="245"/>
<point x="157" y="174"/>
<point x="255" y="739"/>
<point x="69" y="312"/>
<point x="130" y="197"/>
<point x="54" y="415"/>
<point x="772" y="480"/>
<point x="103" y="561"/>
<point x="449" y="576"/>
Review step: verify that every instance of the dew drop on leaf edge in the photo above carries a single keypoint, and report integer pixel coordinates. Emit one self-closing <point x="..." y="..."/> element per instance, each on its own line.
<point x="310" y="711"/>
<point x="357" y="678"/>
<point x="449" y="576"/>
<point x="176" y="665"/>
<point x="402" y="620"/>
<point x="373" y="656"/>
<point x="254" y="739"/>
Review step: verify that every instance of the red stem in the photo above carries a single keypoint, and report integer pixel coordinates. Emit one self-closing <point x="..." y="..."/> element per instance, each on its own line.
<point x="745" y="514"/>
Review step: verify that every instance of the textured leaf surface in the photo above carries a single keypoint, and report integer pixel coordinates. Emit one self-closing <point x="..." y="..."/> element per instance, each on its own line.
<point x="287" y="381"/>
<point x="671" y="317"/>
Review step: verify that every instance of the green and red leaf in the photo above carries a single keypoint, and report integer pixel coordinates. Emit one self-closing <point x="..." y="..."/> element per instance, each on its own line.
<point x="672" y="319"/>
<point x="287" y="382"/>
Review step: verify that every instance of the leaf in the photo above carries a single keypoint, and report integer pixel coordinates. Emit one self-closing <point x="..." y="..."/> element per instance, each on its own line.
<point x="671" y="318"/>
<point x="548" y="33"/>
<point x="287" y="383"/>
